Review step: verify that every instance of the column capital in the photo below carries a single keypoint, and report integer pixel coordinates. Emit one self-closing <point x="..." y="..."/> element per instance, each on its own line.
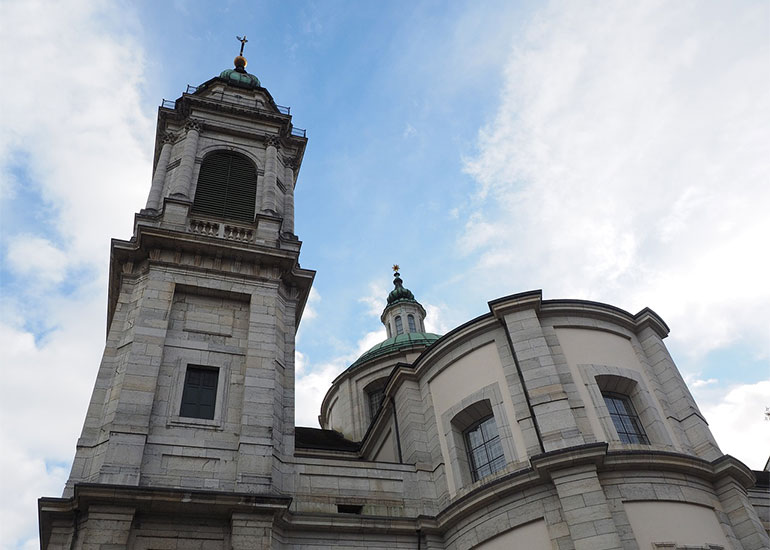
<point x="193" y="124"/>
<point x="168" y="137"/>
<point x="272" y="141"/>
<point x="291" y="162"/>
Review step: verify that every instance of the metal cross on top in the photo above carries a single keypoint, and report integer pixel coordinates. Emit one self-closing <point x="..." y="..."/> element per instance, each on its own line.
<point x="242" y="41"/>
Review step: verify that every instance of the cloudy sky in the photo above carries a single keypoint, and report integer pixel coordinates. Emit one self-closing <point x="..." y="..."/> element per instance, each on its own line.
<point x="612" y="151"/>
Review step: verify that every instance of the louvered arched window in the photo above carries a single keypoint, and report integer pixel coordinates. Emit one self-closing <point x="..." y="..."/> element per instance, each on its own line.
<point x="227" y="187"/>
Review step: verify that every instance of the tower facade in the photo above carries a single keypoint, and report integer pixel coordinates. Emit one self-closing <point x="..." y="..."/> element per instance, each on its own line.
<point x="541" y="424"/>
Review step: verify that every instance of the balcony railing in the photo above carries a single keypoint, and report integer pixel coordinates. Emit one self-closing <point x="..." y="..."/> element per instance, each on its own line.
<point x="222" y="231"/>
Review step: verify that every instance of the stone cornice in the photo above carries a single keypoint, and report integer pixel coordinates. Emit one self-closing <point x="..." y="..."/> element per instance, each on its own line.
<point x="507" y="483"/>
<point x="152" y="245"/>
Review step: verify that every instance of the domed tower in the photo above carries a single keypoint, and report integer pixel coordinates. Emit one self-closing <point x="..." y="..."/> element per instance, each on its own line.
<point x="357" y="395"/>
<point x="403" y="314"/>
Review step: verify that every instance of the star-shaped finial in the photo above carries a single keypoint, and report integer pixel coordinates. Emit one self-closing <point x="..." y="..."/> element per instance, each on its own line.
<point x="395" y="267"/>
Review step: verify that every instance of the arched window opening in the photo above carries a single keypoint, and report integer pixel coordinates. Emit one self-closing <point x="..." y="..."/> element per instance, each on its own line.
<point x="399" y="325"/>
<point x="410" y="320"/>
<point x="227" y="187"/>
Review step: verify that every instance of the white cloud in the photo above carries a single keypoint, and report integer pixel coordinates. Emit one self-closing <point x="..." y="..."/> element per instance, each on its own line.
<point x="628" y="162"/>
<point x="76" y="135"/>
<point x="736" y="419"/>
<point x="36" y="257"/>
<point x="313" y="381"/>
<point x="375" y="299"/>
<point x="434" y="320"/>
<point x="310" y="307"/>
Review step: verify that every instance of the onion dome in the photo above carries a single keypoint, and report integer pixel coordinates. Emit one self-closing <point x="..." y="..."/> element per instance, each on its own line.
<point x="238" y="76"/>
<point x="399" y="293"/>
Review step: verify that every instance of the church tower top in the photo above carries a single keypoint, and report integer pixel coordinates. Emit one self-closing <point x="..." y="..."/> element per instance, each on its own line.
<point x="238" y="76"/>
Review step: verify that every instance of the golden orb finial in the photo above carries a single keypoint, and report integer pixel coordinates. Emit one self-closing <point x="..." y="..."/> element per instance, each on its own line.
<point x="240" y="61"/>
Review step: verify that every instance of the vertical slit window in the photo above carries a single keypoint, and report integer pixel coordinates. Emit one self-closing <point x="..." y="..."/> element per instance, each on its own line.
<point x="399" y="325"/>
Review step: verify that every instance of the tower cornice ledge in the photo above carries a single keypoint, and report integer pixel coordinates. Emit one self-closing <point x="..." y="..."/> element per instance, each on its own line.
<point x="228" y="259"/>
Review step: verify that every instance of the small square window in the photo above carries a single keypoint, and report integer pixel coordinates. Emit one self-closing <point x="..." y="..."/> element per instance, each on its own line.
<point x="199" y="396"/>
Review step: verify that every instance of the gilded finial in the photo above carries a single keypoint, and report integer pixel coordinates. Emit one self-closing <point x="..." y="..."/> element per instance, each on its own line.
<point x="243" y="41"/>
<point x="396" y="268"/>
<point x="240" y="61"/>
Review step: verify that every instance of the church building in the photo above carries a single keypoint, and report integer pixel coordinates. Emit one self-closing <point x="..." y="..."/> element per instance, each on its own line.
<point x="544" y="424"/>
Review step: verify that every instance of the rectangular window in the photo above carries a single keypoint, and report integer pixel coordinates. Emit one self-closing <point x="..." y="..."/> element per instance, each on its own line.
<point x="624" y="418"/>
<point x="200" y="392"/>
<point x="485" y="453"/>
<point x="375" y="401"/>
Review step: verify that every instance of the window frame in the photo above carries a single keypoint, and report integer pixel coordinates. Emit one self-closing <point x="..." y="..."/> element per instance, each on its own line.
<point x="411" y="323"/>
<point x="486" y="444"/>
<point x="199" y="207"/>
<point x="174" y="406"/>
<point x="399" y="325"/>
<point x="627" y="423"/>
<point x="196" y="395"/>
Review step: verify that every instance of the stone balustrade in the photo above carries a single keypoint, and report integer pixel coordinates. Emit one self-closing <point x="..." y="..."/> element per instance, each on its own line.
<point x="222" y="231"/>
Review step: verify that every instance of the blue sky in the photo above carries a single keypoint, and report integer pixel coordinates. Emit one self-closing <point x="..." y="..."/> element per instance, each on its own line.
<point x="609" y="151"/>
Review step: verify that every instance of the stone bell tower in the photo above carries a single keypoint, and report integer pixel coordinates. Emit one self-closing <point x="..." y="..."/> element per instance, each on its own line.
<point x="196" y="386"/>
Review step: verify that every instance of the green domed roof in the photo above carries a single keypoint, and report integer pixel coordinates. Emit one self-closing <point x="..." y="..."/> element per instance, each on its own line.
<point x="397" y="343"/>
<point x="240" y="78"/>
<point x="399" y="293"/>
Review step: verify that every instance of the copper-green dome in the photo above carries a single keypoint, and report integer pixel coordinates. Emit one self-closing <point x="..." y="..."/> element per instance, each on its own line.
<point x="240" y="78"/>
<point x="399" y="293"/>
<point x="398" y="343"/>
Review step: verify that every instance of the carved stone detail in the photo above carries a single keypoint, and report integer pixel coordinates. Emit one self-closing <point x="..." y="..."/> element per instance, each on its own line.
<point x="273" y="141"/>
<point x="193" y="124"/>
<point x="169" y="137"/>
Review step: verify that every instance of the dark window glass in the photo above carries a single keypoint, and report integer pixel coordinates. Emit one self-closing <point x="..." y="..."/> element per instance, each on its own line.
<point x="399" y="325"/>
<point x="200" y="393"/>
<point x="227" y="187"/>
<point x="625" y="419"/>
<point x="485" y="453"/>
<point x="375" y="400"/>
<point x="410" y="320"/>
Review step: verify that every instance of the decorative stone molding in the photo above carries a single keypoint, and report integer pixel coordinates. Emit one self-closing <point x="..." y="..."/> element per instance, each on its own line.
<point x="291" y="162"/>
<point x="273" y="141"/>
<point x="193" y="124"/>
<point x="169" y="137"/>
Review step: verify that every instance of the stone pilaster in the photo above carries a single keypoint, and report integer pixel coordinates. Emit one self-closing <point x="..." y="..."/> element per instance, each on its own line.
<point x="183" y="179"/>
<point x="288" y="198"/>
<point x="107" y="528"/>
<point x="251" y="531"/>
<point x="585" y="508"/>
<point x="683" y="411"/>
<point x="542" y="379"/>
<point x="742" y="515"/>
<point x="269" y="203"/>
<point x="158" y="179"/>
